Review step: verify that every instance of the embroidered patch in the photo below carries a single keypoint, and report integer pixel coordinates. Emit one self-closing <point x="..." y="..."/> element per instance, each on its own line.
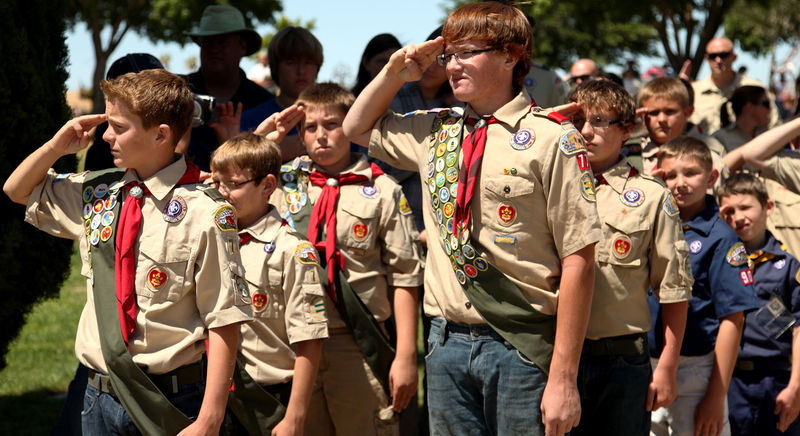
<point x="225" y="218"/>
<point x="259" y="301"/>
<point x="449" y="209"/>
<point x="87" y="210"/>
<point x="461" y="277"/>
<point x="670" y="205"/>
<point x="471" y="271"/>
<point x="440" y="164"/>
<point x="737" y="255"/>
<point x="797" y="276"/>
<point x="587" y="186"/>
<point x="481" y="264"/>
<point x="105" y="234"/>
<point x="695" y="246"/>
<point x="96" y="221"/>
<point x="94" y="237"/>
<point x="455" y="130"/>
<point x="468" y="251"/>
<point x="622" y="247"/>
<point x="403" y="206"/>
<point x="369" y="191"/>
<point x="780" y="264"/>
<point x="88" y="193"/>
<point x="175" y="210"/>
<point x="108" y="218"/>
<point x="295" y="207"/>
<point x="452" y="144"/>
<point x="505" y="240"/>
<point x="440" y="179"/>
<point x="571" y="142"/>
<point x="747" y="276"/>
<point x="444" y="195"/>
<point x="632" y="197"/>
<point x="451" y="158"/>
<point x="306" y="254"/>
<point x="583" y="161"/>
<point x="507" y="214"/>
<point x="360" y="231"/>
<point x="156" y="277"/>
<point x="316" y="309"/>
<point x="523" y="139"/>
<point x="110" y="202"/>
<point x="101" y="190"/>
<point x="241" y="289"/>
<point x="98" y="206"/>
<point x="452" y="175"/>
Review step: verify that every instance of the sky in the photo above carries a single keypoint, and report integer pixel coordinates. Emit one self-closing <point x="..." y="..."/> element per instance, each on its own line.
<point x="343" y="27"/>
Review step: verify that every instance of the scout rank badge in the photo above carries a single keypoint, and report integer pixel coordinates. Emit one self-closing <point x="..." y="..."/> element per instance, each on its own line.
<point x="175" y="210"/>
<point x="622" y="247"/>
<point x="295" y="182"/>
<point x="156" y="277"/>
<point x="443" y="186"/>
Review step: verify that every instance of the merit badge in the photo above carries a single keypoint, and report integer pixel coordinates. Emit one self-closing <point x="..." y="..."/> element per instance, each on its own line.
<point x="108" y="218"/>
<point x="431" y="169"/>
<point x="449" y="225"/>
<point x="435" y="200"/>
<point x="105" y="234"/>
<point x="454" y="190"/>
<point x="241" y="289"/>
<point x="87" y="210"/>
<point x="440" y="179"/>
<point x="437" y="123"/>
<point x="403" y="206"/>
<point x="432" y="185"/>
<point x="453" y="242"/>
<point x="431" y="154"/>
<point x="449" y="209"/>
<point x="96" y="221"/>
<point x="451" y="159"/>
<point x="523" y="139"/>
<point x="583" y="161"/>
<point x="295" y="207"/>
<point x="293" y="197"/>
<point x="449" y="122"/>
<point x="747" y="276"/>
<point x="622" y="246"/>
<point x="439" y="216"/>
<point x="458" y="257"/>
<point x="463" y="233"/>
<point x="452" y="144"/>
<point x="455" y="129"/>
<point x="88" y="193"/>
<point x="507" y="214"/>
<point x="471" y="271"/>
<point x="156" y="277"/>
<point x="288" y="177"/>
<point x="290" y="187"/>
<point x="695" y="246"/>
<point x="175" y="210"/>
<point x="369" y="191"/>
<point x="87" y="226"/>
<point x="505" y="240"/>
<point x="737" y="255"/>
<point x="440" y="164"/>
<point x="670" y="205"/>
<point x="360" y="231"/>
<point x="444" y="194"/>
<point x="306" y="254"/>
<point x="110" y="202"/>
<point x="440" y="149"/>
<point x="571" y="142"/>
<point x="442" y="113"/>
<point x="452" y="175"/>
<point x="94" y="237"/>
<point x="587" y="187"/>
<point x="632" y="197"/>
<point x="303" y="199"/>
<point x="468" y="251"/>
<point x="462" y="278"/>
<point x="447" y="248"/>
<point x="780" y="264"/>
<point x="481" y="264"/>
<point x="98" y="206"/>
<point x="101" y="190"/>
<point x="259" y="301"/>
<point x="225" y="219"/>
<point x="269" y="247"/>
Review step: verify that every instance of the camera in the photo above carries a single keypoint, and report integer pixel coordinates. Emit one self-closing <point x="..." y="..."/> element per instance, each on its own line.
<point x="203" y="109"/>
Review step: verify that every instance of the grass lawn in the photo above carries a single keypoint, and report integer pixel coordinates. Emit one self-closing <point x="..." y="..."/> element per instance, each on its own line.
<point x="41" y="361"/>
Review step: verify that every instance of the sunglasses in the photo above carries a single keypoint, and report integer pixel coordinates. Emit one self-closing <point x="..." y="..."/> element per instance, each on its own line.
<point x="579" y="79"/>
<point x="721" y="55"/>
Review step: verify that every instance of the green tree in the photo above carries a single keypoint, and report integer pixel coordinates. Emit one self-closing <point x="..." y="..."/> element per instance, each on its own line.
<point x="159" y="20"/>
<point x="32" y="79"/>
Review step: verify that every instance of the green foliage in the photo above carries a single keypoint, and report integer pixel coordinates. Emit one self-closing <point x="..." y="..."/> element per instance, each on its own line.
<point x="760" y="25"/>
<point x="32" y="97"/>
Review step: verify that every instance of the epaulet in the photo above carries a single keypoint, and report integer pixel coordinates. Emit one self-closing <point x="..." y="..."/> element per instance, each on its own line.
<point x="654" y="179"/>
<point x="211" y="192"/>
<point x="107" y="175"/>
<point x="557" y="117"/>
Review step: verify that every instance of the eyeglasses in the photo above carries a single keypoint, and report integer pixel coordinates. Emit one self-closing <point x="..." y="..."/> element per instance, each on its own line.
<point x="595" y="122"/>
<point x="579" y="79"/>
<point x="721" y="55"/>
<point x="443" y="59"/>
<point x="232" y="186"/>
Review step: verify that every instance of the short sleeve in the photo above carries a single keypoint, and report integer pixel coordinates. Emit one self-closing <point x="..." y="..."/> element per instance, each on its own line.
<point x="401" y="140"/>
<point x="670" y="269"/>
<point x="731" y="280"/>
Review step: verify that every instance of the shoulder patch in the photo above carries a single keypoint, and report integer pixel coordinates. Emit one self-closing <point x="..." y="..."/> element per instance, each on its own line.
<point x="670" y="205"/>
<point x="225" y="218"/>
<point x="797" y="276"/>
<point x="402" y="206"/>
<point x="306" y="253"/>
<point x="571" y="142"/>
<point x="587" y="186"/>
<point x="737" y="255"/>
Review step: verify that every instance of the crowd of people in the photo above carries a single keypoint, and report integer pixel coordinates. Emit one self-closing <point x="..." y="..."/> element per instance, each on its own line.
<point x="593" y="255"/>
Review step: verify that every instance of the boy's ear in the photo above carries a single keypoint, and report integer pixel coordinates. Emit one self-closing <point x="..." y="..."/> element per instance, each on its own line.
<point x="769" y="207"/>
<point x="688" y="111"/>
<point x="713" y="175"/>
<point x="163" y="134"/>
<point x="270" y="183"/>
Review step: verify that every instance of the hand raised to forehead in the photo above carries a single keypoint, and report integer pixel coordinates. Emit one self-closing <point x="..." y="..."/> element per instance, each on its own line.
<point x="411" y="61"/>
<point x="76" y="134"/>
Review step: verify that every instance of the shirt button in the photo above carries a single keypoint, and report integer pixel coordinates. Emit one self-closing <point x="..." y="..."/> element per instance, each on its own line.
<point x="468" y="305"/>
<point x="507" y="189"/>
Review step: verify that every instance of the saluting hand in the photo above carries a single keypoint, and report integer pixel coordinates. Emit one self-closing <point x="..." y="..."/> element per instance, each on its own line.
<point x="276" y="126"/>
<point x="411" y="61"/>
<point x="76" y="134"/>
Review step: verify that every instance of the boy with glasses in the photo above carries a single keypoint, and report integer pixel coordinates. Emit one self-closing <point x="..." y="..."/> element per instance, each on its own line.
<point x="511" y="213"/>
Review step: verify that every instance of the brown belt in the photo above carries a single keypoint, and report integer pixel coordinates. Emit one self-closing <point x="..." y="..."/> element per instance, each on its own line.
<point x="169" y="383"/>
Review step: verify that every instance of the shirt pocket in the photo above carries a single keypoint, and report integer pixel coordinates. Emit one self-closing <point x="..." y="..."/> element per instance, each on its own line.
<point x="161" y="274"/>
<point x="626" y="244"/>
<point x="503" y="200"/>
<point x="266" y="298"/>
<point x="360" y="225"/>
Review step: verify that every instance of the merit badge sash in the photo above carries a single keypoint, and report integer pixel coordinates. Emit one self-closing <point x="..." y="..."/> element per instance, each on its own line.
<point x="149" y="409"/>
<point x="368" y="334"/>
<point x="498" y="300"/>
<point x="257" y="410"/>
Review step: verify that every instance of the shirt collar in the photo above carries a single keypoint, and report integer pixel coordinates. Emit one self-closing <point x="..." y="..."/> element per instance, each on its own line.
<point x="162" y="182"/>
<point x="511" y="112"/>
<point x="773" y="246"/>
<point x="704" y="221"/>
<point x="266" y="228"/>
<point x="359" y="166"/>
<point x="617" y="175"/>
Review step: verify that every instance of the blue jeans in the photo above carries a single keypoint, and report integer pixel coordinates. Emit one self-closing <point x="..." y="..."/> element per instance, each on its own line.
<point x="478" y="384"/>
<point x="103" y="414"/>
<point x="613" y="388"/>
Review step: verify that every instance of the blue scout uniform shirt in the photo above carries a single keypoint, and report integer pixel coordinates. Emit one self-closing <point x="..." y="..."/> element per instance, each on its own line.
<point x="776" y="274"/>
<point x="723" y="284"/>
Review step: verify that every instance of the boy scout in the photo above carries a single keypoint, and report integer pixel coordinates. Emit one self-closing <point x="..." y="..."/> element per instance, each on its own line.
<point x="178" y="281"/>
<point x="280" y="348"/>
<point x="530" y="239"/>
<point x="666" y="104"/>
<point x="642" y="248"/>
<point x="763" y="395"/>
<point x="362" y="226"/>
<point x="722" y="291"/>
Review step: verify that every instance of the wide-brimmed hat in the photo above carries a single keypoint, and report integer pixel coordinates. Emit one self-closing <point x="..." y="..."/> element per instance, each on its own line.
<point x="219" y="20"/>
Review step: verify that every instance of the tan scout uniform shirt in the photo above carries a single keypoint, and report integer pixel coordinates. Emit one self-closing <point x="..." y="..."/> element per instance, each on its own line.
<point x="731" y="137"/>
<point x="643" y="247"/>
<point x="375" y="234"/>
<point x="781" y="175"/>
<point x="185" y="271"/>
<point x="650" y="151"/>
<point x="545" y="87"/>
<point x="287" y="297"/>
<point x="554" y="210"/>
<point x="708" y="99"/>
<point x="784" y="168"/>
